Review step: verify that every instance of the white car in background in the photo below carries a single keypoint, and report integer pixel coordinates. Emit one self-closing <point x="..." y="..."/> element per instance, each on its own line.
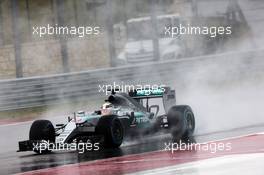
<point x="139" y="43"/>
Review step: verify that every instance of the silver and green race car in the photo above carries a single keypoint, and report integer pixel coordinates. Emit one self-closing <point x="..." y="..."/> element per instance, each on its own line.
<point x="123" y="115"/>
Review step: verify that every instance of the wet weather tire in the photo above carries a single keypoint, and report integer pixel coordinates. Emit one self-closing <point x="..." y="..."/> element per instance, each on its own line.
<point x="42" y="130"/>
<point x="112" y="130"/>
<point x="181" y="122"/>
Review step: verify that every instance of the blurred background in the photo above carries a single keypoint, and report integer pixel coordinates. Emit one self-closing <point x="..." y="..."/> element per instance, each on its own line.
<point x="129" y="32"/>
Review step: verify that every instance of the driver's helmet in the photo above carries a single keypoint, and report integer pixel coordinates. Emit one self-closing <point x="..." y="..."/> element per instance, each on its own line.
<point x="107" y="108"/>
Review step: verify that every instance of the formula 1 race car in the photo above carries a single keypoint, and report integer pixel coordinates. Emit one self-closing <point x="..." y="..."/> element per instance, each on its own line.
<point x="123" y="115"/>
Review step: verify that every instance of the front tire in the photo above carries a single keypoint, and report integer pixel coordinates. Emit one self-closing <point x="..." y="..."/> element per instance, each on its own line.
<point x="112" y="130"/>
<point x="42" y="130"/>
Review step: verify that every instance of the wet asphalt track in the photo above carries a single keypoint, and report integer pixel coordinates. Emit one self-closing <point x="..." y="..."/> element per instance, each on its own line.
<point x="12" y="162"/>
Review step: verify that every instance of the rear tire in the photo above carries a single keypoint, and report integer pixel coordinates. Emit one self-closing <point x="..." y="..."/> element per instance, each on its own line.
<point x="181" y="123"/>
<point x="42" y="130"/>
<point x="112" y="130"/>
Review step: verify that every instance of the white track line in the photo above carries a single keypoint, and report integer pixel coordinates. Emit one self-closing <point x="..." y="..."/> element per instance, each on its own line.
<point x="201" y="165"/>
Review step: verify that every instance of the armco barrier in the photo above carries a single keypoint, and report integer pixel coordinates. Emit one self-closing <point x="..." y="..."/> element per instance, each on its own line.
<point x="48" y="90"/>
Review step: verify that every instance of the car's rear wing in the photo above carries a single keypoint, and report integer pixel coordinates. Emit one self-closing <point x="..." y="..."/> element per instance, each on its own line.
<point x="147" y="93"/>
<point x="167" y="95"/>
